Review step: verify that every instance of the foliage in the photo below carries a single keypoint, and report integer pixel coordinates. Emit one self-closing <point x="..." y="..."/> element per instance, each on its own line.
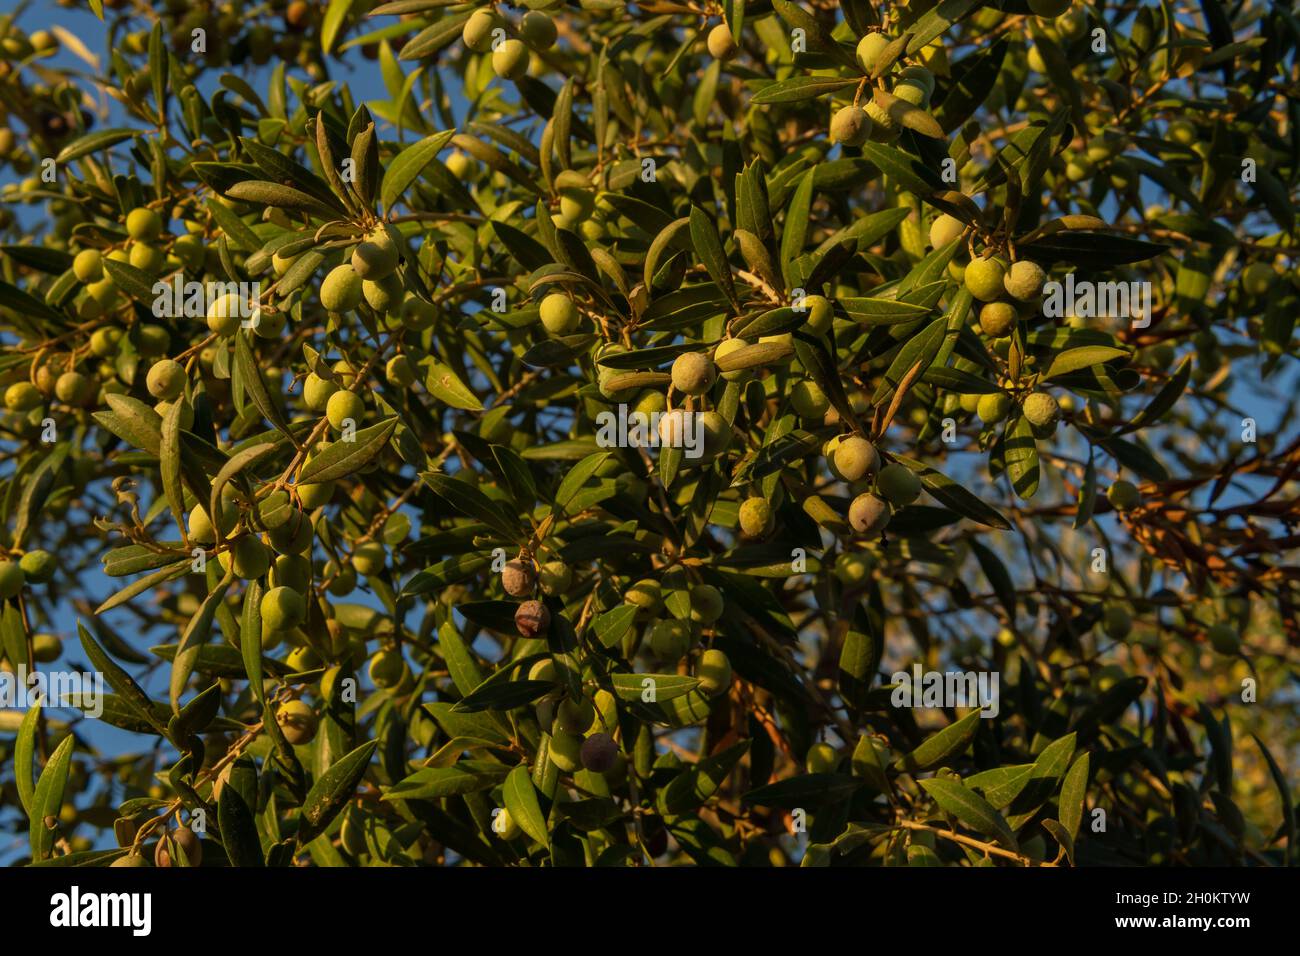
<point x="369" y="586"/>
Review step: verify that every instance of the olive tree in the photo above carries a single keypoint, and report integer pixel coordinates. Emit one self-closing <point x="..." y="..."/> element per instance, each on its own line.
<point x="746" y="433"/>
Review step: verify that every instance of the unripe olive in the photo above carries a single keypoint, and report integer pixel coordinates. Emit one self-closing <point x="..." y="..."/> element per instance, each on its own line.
<point x="316" y="391"/>
<point x="200" y="525"/>
<point x="143" y="225"/>
<point x="821" y="758"/>
<point x="716" y="431"/>
<point x="297" y="722"/>
<point x="510" y="59"/>
<point x="538" y="30"/>
<point x="1116" y="622"/>
<point x="147" y="258"/>
<point x="884" y="125"/>
<point x="224" y="314"/>
<point x="38" y="565"/>
<point x="670" y="639"/>
<point x="998" y="319"/>
<point x="726" y="347"/>
<point x="532" y="619"/>
<point x="912" y="91"/>
<point x="166" y="380"/>
<point x="918" y="74"/>
<point x="1024" y="280"/>
<point x="855" y="458"/>
<point x="46" y="648"/>
<point x="722" y="45"/>
<point x="282" y="609"/>
<point x="993" y="407"/>
<point x="12" y="579"/>
<point x="23" y="397"/>
<point x="73" y="388"/>
<point x="853" y="568"/>
<point x="820" y="313"/>
<point x="1042" y="410"/>
<point x="104" y="342"/>
<point x="374" y="258"/>
<point x="399" y="371"/>
<point x="341" y="290"/>
<point x="343" y="407"/>
<point x="386" y="668"/>
<point x="385" y="295"/>
<point x="984" y="278"/>
<point x="315" y="494"/>
<point x="369" y="558"/>
<point x="1257" y="278"/>
<point x="714" y="672"/>
<point x="558" y="313"/>
<point x="756" y="517"/>
<point x="555" y="578"/>
<point x="870" y="47"/>
<point x="898" y="484"/>
<point x="342" y="580"/>
<point x="477" y="32"/>
<point x="565" y="751"/>
<point x="868" y="514"/>
<point x="574" y="716"/>
<point x="417" y="314"/>
<point x="281" y="264"/>
<point x="707" y="604"/>
<point x="808" y="399"/>
<point x="1123" y="495"/>
<point x="291" y="571"/>
<point x="1224" y="639"/>
<point x="247" y="556"/>
<point x="598" y="752"/>
<point x="647" y="596"/>
<point x="851" y="125"/>
<point x="544" y="670"/>
<point x="693" y="373"/>
<point x="88" y="266"/>
<point x="132" y="859"/>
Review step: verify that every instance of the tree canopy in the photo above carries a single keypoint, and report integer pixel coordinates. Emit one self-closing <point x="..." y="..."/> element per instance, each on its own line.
<point x="752" y="433"/>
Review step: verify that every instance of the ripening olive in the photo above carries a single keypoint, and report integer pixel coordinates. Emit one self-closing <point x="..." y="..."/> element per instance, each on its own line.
<point x="693" y="373"/>
<point x="297" y="721"/>
<point x="598" y="752"/>
<point x="868" y="514"/>
<point x="517" y="578"/>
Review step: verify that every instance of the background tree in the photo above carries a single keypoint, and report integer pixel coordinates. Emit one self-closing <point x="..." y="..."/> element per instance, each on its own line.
<point x="367" y="583"/>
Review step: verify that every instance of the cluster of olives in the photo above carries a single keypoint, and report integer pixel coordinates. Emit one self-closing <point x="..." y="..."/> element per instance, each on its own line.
<point x="1004" y="294"/>
<point x="30" y="567"/>
<point x="880" y="119"/>
<point x="511" y="45"/>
